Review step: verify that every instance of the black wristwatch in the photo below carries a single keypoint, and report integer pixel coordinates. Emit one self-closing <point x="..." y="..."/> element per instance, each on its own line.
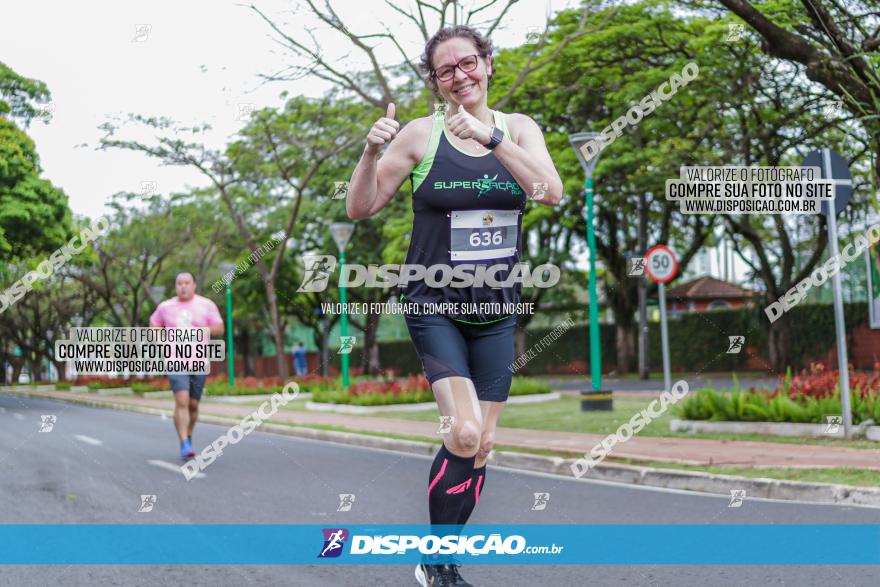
<point x="497" y="135"/>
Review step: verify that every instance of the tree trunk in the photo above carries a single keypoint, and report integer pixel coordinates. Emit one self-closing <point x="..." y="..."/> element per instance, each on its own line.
<point x="16" y="370"/>
<point x="280" y="356"/>
<point x="61" y="367"/>
<point x="247" y="351"/>
<point x="625" y="342"/>
<point x="35" y="369"/>
<point x="370" y="357"/>
<point x="779" y="344"/>
<point x="325" y="348"/>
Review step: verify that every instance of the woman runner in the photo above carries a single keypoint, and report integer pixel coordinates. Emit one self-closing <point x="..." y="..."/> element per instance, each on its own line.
<point x="469" y="167"/>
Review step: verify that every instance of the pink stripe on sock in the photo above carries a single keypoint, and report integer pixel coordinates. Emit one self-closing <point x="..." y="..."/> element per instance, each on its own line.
<point x="437" y="478"/>
<point x="477" y="492"/>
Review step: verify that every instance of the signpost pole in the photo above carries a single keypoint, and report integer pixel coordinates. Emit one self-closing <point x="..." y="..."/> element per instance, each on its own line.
<point x="835" y="170"/>
<point x="667" y="376"/>
<point x="661" y="266"/>
<point x="839" y="324"/>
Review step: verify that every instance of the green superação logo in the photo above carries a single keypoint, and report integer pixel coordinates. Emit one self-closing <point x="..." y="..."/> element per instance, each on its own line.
<point x="481" y="185"/>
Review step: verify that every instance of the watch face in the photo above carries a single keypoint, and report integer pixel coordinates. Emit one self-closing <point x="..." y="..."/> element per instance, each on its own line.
<point x="497" y="135"/>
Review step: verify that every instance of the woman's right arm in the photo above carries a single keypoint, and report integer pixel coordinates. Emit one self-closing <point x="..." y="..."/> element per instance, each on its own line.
<point x="375" y="180"/>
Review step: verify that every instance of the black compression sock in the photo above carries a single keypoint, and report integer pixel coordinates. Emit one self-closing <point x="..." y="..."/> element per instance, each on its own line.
<point x="450" y="482"/>
<point x="478" y="481"/>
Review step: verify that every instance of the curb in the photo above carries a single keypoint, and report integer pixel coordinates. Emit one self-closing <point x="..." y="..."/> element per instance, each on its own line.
<point x="788" y="429"/>
<point x="827" y="493"/>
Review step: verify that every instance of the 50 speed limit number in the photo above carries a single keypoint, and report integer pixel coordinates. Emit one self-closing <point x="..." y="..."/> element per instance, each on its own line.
<point x="661" y="264"/>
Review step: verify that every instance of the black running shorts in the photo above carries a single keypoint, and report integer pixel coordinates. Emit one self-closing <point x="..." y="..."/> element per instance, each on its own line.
<point x="481" y="352"/>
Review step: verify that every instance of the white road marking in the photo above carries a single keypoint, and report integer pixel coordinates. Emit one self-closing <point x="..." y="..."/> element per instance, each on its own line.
<point x="18" y="416"/>
<point x="88" y="439"/>
<point x="171" y="467"/>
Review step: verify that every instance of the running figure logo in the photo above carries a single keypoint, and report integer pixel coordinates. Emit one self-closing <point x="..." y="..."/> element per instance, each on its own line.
<point x="141" y="32"/>
<point x="47" y="423"/>
<point x="334" y="540"/>
<point x="539" y="190"/>
<point x="736" y="344"/>
<point x="446" y="424"/>
<point x="541" y="501"/>
<point x="317" y="275"/>
<point x="346" y="500"/>
<point x="533" y="35"/>
<point x="245" y="111"/>
<point x="149" y="188"/>
<point x="346" y="344"/>
<point x="736" y="498"/>
<point x="340" y="190"/>
<point x="637" y="266"/>
<point x="832" y="424"/>
<point x="735" y="31"/>
<point x="147" y="503"/>
<point x="45" y="112"/>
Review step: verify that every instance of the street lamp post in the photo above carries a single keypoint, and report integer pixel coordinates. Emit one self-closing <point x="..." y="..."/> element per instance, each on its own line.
<point x="49" y="337"/>
<point x="76" y="321"/>
<point x="341" y="232"/>
<point x="226" y="270"/>
<point x="578" y="140"/>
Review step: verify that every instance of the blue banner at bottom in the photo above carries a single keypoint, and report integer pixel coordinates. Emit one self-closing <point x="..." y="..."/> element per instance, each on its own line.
<point x="562" y="544"/>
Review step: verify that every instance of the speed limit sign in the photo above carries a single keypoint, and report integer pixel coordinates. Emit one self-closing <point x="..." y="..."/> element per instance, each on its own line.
<point x="661" y="264"/>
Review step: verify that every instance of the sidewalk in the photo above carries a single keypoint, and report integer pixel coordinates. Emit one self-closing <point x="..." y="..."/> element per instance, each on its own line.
<point x="670" y="450"/>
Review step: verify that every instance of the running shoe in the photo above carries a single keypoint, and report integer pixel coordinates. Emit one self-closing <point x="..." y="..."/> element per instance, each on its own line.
<point x="456" y="576"/>
<point x="186" y="449"/>
<point x="434" y="575"/>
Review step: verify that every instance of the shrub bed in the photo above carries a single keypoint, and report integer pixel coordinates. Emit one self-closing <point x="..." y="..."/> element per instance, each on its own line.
<point x="218" y="385"/>
<point x="806" y="398"/>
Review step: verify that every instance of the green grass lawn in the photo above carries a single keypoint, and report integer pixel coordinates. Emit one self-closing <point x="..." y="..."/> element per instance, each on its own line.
<point x="565" y="414"/>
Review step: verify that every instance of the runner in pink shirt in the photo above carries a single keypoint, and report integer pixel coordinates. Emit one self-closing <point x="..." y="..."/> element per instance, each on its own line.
<point x="187" y="310"/>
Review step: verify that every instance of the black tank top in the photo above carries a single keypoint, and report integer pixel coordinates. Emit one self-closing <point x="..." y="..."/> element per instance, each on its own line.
<point x="467" y="210"/>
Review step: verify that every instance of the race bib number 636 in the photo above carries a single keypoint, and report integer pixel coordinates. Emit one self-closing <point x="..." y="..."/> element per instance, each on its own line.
<point x="477" y="235"/>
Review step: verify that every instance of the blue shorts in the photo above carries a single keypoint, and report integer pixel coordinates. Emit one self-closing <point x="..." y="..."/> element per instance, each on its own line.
<point x="481" y="352"/>
<point x="194" y="384"/>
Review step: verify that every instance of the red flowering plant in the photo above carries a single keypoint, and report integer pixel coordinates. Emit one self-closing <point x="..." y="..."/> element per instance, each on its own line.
<point x="369" y="392"/>
<point x="821" y="383"/>
<point x="807" y="397"/>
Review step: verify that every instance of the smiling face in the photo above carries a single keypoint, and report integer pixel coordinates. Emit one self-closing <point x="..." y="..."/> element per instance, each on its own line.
<point x="467" y="88"/>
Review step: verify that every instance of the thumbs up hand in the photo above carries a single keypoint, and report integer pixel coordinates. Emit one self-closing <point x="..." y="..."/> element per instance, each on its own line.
<point x="383" y="130"/>
<point x="465" y="126"/>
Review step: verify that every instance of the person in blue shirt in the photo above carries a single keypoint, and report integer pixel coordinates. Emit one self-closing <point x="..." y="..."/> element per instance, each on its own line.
<point x="299" y="359"/>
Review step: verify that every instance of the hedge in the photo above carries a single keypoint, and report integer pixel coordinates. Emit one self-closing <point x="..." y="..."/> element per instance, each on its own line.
<point x="697" y="341"/>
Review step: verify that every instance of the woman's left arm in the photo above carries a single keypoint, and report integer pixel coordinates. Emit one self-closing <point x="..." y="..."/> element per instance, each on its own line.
<point x="528" y="160"/>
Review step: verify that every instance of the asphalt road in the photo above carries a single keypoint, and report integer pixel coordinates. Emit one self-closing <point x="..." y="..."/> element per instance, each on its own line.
<point x="95" y="464"/>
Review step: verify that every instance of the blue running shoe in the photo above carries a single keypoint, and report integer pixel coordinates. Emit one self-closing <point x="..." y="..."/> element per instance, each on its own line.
<point x="186" y="449"/>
